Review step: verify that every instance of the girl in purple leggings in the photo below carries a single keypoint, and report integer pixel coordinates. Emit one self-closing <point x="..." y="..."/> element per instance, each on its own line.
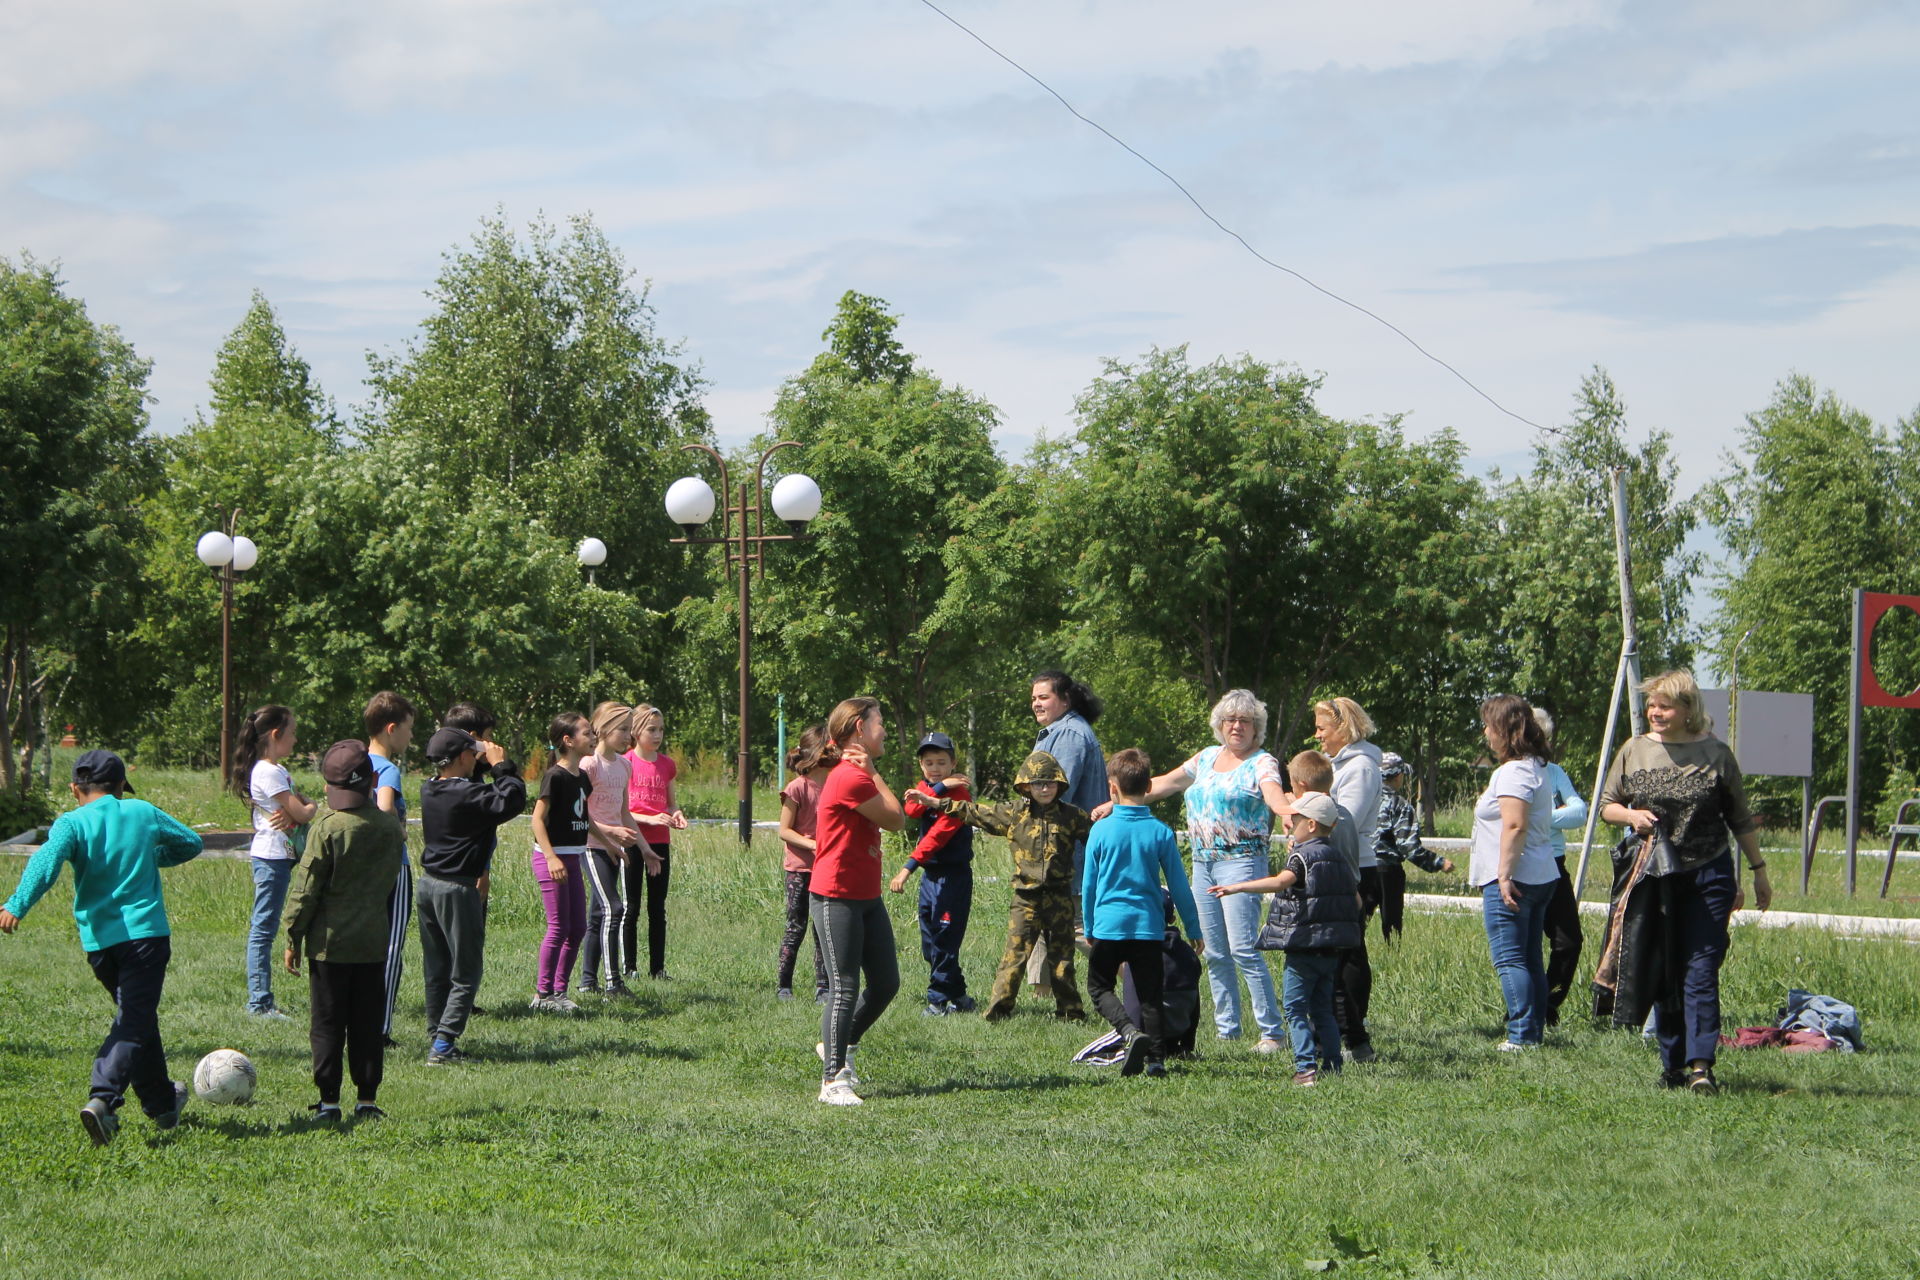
<point x="560" y="827"/>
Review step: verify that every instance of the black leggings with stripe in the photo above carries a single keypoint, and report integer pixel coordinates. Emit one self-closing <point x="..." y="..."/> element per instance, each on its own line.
<point x="606" y="916"/>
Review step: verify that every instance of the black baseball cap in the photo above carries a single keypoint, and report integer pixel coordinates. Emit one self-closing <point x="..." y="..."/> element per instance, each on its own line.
<point x="445" y="744"/>
<point x="936" y="741"/>
<point x="101" y="770"/>
<point x="348" y="772"/>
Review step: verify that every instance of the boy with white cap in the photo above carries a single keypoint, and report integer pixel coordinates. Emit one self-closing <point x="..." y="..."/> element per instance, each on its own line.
<point x="1315" y="916"/>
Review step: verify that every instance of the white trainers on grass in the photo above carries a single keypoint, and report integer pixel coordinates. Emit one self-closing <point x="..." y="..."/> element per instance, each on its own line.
<point x="820" y="1051"/>
<point x="838" y="1093"/>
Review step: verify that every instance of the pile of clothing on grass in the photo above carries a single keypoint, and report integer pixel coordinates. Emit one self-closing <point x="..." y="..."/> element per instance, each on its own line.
<point x="1808" y="1024"/>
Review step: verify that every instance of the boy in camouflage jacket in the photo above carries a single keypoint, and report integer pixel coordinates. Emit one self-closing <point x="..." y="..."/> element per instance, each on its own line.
<point x="1042" y="830"/>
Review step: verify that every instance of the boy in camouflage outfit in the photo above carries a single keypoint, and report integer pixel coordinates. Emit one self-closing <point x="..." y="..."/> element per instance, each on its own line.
<point x="1042" y="830"/>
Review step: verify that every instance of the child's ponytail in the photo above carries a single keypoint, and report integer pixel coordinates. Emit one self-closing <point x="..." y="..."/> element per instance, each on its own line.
<point x="806" y="755"/>
<point x="254" y="731"/>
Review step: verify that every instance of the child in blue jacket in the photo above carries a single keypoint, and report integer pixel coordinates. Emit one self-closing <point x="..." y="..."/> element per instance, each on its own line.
<point x="1129" y="854"/>
<point x="117" y="847"/>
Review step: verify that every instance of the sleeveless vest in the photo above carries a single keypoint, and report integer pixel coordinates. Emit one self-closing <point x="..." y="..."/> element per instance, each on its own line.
<point x="1320" y="914"/>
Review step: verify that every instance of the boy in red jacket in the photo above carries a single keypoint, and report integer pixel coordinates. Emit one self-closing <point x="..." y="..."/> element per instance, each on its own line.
<point x="945" y="854"/>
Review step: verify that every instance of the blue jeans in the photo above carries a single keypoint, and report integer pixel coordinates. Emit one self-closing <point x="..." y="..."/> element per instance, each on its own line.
<point x="1514" y="937"/>
<point x="271" y="876"/>
<point x="1306" y="987"/>
<point x="1230" y="926"/>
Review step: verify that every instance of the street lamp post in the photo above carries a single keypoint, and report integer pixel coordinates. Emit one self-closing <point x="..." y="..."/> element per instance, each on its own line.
<point x="591" y="553"/>
<point x="743" y="536"/>
<point x="229" y="555"/>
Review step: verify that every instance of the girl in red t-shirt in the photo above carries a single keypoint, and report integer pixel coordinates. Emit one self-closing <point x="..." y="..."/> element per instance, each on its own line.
<point x="651" y="802"/>
<point x="849" y="918"/>
<point x="799" y="819"/>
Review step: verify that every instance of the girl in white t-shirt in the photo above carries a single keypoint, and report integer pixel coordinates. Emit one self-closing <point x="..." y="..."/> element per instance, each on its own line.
<point x="280" y="818"/>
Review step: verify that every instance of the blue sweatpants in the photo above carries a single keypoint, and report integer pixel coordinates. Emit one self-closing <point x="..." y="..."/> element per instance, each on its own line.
<point x="946" y="900"/>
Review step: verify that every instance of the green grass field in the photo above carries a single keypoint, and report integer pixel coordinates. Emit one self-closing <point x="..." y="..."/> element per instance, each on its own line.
<point x="679" y="1136"/>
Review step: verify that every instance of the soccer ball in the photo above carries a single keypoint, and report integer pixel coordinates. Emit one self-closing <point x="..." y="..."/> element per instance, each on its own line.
<point x="225" y="1075"/>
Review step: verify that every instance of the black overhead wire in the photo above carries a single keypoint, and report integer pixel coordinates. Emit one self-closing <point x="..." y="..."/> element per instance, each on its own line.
<point x="1208" y="215"/>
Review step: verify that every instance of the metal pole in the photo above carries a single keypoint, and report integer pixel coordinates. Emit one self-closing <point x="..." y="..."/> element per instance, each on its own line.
<point x="780" y="744"/>
<point x="746" y="771"/>
<point x="592" y="666"/>
<point x="1853" y="735"/>
<point x="226" y="674"/>
<point x="1629" y="619"/>
<point x="1600" y="773"/>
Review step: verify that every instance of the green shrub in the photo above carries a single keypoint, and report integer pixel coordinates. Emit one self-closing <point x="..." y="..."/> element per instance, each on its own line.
<point x="24" y="808"/>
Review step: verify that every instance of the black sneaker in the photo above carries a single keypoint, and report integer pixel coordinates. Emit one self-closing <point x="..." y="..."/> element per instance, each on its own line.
<point x="1156" y="1071"/>
<point x="1675" y="1079"/>
<point x="1135" y="1060"/>
<point x="963" y="1004"/>
<point x="98" y="1120"/>
<point x="1700" y="1081"/>
<point x="168" y="1119"/>
<point x="1362" y="1052"/>
<point x="368" y="1111"/>
<point x="443" y="1057"/>
<point x="325" y="1112"/>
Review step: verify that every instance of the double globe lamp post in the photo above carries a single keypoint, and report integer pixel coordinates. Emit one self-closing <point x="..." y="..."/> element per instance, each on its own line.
<point x="743" y="536"/>
<point x="229" y="555"/>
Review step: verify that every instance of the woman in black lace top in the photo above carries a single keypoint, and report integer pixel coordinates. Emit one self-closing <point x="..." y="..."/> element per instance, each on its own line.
<point x="1680" y="779"/>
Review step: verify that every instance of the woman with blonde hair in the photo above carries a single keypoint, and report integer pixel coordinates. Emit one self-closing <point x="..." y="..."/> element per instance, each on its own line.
<point x="1343" y="728"/>
<point x="1233" y="792"/>
<point x="1680" y="789"/>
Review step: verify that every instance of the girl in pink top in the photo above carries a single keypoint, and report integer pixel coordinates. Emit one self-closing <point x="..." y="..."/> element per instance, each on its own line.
<point x="607" y="860"/>
<point x="799" y="810"/>
<point x="650" y="800"/>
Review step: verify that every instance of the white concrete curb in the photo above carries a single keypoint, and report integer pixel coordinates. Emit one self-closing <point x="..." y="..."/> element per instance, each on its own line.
<point x="1848" y="926"/>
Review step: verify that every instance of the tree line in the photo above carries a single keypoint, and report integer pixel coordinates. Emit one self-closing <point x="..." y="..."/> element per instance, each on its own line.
<point x="1204" y="526"/>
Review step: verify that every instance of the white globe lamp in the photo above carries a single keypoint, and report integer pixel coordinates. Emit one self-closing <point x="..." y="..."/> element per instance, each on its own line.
<point x="592" y="553"/>
<point x="690" y="503"/>
<point x="245" y="554"/>
<point x="214" y="549"/>
<point x="796" y="499"/>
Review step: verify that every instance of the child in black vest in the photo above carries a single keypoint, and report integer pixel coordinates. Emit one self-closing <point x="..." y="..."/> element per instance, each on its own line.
<point x="1315" y="916"/>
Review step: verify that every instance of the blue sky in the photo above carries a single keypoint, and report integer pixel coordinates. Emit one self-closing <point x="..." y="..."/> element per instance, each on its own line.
<point x="1700" y="196"/>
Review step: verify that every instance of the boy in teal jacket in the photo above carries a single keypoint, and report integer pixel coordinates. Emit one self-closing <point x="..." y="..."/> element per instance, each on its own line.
<point x="117" y="847"/>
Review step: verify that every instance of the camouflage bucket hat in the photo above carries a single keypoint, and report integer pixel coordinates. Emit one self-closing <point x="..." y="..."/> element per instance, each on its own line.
<point x="1039" y="767"/>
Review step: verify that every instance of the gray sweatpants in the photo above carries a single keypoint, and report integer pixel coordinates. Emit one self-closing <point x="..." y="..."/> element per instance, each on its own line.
<point x="453" y="936"/>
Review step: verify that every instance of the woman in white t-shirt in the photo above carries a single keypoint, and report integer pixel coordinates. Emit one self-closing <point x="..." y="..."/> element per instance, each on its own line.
<point x="280" y="817"/>
<point x="1513" y="862"/>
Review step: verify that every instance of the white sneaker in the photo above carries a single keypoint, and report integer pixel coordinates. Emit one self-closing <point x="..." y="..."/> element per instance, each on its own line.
<point x="846" y="1072"/>
<point x="1268" y="1045"/>
<point x="838" y="1093"/>
<point x="559" y="1003"/>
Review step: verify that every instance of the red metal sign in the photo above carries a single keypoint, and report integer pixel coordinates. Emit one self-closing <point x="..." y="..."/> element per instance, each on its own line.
<point x="1873" y="607"/>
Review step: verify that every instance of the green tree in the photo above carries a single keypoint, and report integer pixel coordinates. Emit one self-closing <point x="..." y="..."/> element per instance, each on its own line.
<point x="1557" y="636"/>
<point x="863" y="605"/>
<point x="1251" y="540"/>
<point x="74" y="468"/>
<point x="1819" y="502"/>
<point x="270" y="433"/>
